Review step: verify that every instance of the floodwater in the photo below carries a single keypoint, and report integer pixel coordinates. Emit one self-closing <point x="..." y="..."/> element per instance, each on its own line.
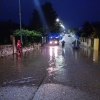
<point x="48" y="60"/>
<point x="77" y="69"/>
<point x="26" y="68"/>
<point x="51" y="65"/>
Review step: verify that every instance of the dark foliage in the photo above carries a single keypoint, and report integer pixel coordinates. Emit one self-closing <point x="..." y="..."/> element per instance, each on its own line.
<point x="87" y="29"/>
<point x="6" y="29"/>
<point x="96" y="26"/>
<point x="36" y="23"/>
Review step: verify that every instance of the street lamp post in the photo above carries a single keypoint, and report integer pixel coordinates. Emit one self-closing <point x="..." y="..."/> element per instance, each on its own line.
<point x="20" y="22"/>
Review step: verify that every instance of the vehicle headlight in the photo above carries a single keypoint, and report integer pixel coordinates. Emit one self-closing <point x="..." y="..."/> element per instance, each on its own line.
<point x="56" y="42"/>
<point x="50" y="42"/>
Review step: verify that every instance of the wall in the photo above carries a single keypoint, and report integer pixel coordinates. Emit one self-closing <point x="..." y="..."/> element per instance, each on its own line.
<point x="86" y="42"/>
<point x="6" y="50"/>
<point x="10" y="50"/>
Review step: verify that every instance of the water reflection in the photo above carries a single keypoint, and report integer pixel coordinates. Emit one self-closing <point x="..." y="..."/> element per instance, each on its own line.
<point x="61" y="75"/>
<point x="76" y="53"/>
<point x="90" y="53"/>
<point x="56" y="70"/>
<point x="95" y="55"/>
<point x="63" y="51"/>
<point x="53" y="52"/>
<point x="19" y="64"/>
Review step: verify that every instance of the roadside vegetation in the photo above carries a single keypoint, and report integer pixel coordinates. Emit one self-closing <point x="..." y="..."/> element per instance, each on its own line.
<point x="87" y="30"/>
<point x="29" y="37"/>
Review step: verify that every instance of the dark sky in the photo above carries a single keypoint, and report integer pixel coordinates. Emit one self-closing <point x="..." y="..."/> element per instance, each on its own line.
<point x="73" y="13"/>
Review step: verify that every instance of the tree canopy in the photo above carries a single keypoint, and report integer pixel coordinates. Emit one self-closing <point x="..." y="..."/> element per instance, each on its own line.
<point x="87" y="28"/>
<point x="49" y="15"/>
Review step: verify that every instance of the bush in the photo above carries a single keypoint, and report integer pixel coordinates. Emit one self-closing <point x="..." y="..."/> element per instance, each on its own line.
<point x="28" y="37"/>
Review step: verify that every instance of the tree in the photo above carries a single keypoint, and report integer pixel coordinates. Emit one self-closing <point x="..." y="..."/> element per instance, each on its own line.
<point x="87" y="28"/>
<point x="6" y="29"/>
<point x="49" y="15"/>
<point x="96" y="29"/>
<point x="35" y="22"/>
<point x="73" y="31"/>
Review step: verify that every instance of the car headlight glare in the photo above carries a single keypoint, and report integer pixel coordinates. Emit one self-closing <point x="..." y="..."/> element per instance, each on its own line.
<point x="56" y="42"/>
<point x="50" y="42"/>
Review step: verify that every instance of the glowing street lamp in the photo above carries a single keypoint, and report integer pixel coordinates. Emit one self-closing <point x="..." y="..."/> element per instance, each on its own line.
<point x="62" y="26"/>
<point x="57" y="20"/>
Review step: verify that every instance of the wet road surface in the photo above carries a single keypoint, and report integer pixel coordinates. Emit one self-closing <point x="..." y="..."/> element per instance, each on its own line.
<point x="51" y="73"/>
<point x="15" y="69"/>
<point x="20" y="77"/>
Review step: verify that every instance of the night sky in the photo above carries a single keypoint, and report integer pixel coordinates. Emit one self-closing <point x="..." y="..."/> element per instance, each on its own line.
<point x="73" y="13"/>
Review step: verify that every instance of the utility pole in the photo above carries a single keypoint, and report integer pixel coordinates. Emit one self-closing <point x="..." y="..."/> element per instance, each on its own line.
<point x="20" y="23"/>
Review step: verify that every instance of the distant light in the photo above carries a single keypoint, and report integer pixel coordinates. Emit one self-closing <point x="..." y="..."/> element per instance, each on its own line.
<point x="57" y="19"/>
<point x="56" y="42"/>
<point x="50" y="42"/>
<point x="62" y="26"/>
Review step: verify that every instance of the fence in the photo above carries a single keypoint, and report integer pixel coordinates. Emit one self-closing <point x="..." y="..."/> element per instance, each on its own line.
<point x="6" y="50"/>
<point x="90" y="42"/>
<point x="86" y="42"/>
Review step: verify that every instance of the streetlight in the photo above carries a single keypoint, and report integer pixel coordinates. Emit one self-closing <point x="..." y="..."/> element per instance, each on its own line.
<point x="20" y="22"/>
<point x="60" y="23"/>
<point x="62" y="26"/>
<point x="57" y="20"/>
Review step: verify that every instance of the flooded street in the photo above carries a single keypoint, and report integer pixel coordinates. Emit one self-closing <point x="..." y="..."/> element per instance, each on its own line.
<point x="52" y="66"/>
<point x="29" y="67"/>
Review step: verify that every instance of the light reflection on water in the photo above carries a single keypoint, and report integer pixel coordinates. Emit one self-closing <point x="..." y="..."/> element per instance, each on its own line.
<point x="95" y="55"/>
<point x="87" y="51"/>
<point x="92" y="53"/>
<point x="53" y="52"/>
<point x="56" y="63"/>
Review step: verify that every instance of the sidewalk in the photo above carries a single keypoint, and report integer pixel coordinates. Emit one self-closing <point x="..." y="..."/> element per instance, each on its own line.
<point x="45" y="92"/>
<point x="17" y="92"/>
<point x="61" y="92"/>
